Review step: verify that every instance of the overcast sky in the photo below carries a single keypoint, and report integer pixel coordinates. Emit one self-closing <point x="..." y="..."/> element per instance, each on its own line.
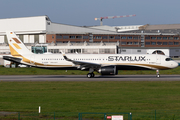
<point x="83" y="12"/>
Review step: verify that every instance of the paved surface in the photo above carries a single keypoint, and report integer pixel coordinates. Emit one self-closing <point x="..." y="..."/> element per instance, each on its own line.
<point x="84" y="78"/>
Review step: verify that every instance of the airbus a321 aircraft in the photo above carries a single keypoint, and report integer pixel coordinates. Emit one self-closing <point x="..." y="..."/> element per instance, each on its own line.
<point x="106" y="64"/>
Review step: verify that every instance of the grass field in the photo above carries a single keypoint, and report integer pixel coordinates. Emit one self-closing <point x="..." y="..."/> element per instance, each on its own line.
<point x="135" y="97"/>
<point x="140" y="98"/>
<point x="89" y="96"/>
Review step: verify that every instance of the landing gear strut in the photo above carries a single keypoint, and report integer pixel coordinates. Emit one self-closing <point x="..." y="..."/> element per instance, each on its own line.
<point x="157" y="74"/>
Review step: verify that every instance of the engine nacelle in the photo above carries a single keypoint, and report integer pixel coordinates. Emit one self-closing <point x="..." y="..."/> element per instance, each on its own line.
<point x="108" y="70"/>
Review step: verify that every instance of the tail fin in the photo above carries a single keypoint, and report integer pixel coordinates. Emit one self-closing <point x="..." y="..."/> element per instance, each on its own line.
<point x="17" y="48"/>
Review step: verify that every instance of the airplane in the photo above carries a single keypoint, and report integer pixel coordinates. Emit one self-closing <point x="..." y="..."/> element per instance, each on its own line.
<point x="105" y="64"/>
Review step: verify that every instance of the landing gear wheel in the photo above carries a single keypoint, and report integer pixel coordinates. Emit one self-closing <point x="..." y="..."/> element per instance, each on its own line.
<point x="92" y="74"/>
<point x="89" y="75"/>
<point x="158" y="75"/>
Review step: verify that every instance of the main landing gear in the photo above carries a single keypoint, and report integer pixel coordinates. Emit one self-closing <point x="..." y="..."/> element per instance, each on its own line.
<point x="157" y="74"/>
<point x="90" y="75"/>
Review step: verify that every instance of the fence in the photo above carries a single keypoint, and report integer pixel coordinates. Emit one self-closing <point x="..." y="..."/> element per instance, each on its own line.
<point x="145" y="115"/>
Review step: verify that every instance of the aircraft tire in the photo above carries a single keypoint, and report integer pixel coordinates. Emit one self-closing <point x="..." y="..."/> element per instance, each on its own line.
<point x="92" y="74"/>
<point x="158" y="75"/>
<point x="89" y="75"/>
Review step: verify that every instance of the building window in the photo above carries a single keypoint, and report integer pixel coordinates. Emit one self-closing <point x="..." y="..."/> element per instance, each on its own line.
<point x="117" y="37"/>
<point x="72" y="37"/>
<point x="136" y="43"/>
<point x="129" y="43"/>
<point x="176" y="38"/>
<point x="153" y="43"/>
<point x="164" y="38"/>
<point x="56" y="50"/>
<point x="159" y="43"/>
<point x="123" y="37"/>
<point x="104" y="37"/>
<point x="177" y="50"/>
<point x="85" y="37"/>
<point x="123" y="50"/>
<point x="153" y="38"/>
<point x="36" y="38"/>
<point x="159" y="38"/>
<point x="58" y="36"/>
<point x="135" y="38"/>
<point x="123" y="43"/>
<point x="78" y="37"/>
<point x="74" y="50"/>
<point x="176" y="43"/>
<point x="147" y="43"/>
<point x="65" y="37"/>
<point x="107" y="50"/>
<point x="170" y="38"/>
<point x="138" y="50"/>
<point x="147" y="37"/>
<point x="164" y="43"/>
<point x="21" y="38"/>
<point x="170" y="43"/>
<point x="111" y="37"/>
<point x="48" y="23"/>
<point x="129" y="37"/>
<point x="97" y="37"/>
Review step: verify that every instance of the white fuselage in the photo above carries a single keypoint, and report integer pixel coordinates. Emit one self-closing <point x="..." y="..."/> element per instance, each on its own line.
<point x="136" y="61"/>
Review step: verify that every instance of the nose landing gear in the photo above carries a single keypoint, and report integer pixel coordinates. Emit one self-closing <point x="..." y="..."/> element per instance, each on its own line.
<point x="157" y="74"/>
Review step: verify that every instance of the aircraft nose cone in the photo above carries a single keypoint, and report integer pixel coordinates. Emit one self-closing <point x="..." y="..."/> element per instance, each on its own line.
<point x="176" y="64"/>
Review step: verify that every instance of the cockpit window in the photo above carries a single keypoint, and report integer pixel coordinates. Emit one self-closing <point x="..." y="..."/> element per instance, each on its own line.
<point x="168" y="59"/>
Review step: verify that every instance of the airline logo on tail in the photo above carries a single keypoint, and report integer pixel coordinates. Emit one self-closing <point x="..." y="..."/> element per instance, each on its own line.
<point x="17" y="48"/>
<point x="13" y="45"/>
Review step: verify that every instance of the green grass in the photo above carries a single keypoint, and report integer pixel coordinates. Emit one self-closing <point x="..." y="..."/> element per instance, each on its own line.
<point x="73" y="97"/>
<point x="38" y="71"/>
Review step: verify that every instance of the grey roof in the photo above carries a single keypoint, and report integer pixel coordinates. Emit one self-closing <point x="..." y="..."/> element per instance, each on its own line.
<point x="70" y="29"/>
<point x="104" y="27"/>
<point x="161" y="27"/>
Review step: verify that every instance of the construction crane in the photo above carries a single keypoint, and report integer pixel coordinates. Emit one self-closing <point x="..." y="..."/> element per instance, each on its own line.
<point x="112" y="17"/>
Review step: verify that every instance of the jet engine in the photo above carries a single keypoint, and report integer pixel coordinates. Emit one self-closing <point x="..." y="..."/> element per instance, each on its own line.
<point x="108" y="70"/>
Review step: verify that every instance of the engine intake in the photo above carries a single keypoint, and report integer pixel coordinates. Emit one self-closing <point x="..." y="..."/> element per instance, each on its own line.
<point x="108" y="70"/>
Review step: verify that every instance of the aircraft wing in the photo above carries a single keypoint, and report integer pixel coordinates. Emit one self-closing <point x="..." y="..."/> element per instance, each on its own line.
<point x="82" y="63"/>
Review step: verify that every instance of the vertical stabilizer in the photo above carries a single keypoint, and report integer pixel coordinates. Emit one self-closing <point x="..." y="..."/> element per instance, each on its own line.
<point x="17" y="48"/>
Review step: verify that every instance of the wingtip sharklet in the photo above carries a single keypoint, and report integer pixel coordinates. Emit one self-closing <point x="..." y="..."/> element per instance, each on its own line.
<point x="64" y="55"/>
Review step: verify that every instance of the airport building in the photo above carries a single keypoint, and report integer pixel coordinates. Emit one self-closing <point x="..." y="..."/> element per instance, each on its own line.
<point x="41" y="35"/>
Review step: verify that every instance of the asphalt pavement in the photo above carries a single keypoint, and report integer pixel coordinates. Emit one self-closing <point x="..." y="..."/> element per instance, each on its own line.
<point x="84" y="78"/>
